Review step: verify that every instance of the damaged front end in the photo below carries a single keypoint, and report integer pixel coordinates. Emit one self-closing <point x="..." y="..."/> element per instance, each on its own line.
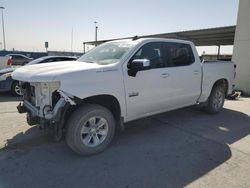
<point x="45" y="105"/>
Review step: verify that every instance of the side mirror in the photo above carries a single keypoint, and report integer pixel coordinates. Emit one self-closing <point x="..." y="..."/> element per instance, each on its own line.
<point x="138" y="65"/>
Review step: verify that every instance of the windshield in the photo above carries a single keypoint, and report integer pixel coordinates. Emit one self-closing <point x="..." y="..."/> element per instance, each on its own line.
<point x="108" y="53"/>
<point x="36" y="61"/>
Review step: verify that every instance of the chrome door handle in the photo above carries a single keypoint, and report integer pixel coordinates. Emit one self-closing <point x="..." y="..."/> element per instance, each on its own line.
<point x="164" y="75"/>
<point x="196" y="72"/>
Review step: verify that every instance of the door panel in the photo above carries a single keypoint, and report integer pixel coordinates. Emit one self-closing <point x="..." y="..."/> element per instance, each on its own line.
<point x="185" y="85"/>
<point x="146" y="93"/>
<point x="185" y="72"/>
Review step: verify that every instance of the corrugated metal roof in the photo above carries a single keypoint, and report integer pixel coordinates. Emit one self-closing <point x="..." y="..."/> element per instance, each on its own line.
<point x="202" y="37"/>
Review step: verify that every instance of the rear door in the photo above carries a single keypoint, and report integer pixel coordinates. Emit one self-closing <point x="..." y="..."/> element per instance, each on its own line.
<point x="185" y="74"/>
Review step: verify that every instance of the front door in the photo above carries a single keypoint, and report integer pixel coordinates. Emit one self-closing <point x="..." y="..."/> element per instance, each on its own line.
<point x="146" y="93"/>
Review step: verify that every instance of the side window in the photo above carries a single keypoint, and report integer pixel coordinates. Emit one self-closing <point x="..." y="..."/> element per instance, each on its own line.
<point x="58" y="59"/>
<point x="21" y="58"/>
<point x="17" y="57"/>
<point x="180" y="54"/>
<point x="65" y="59"/>
<point x="48" y="60"/>
<point x="62" y="59"/>
<point x="153" y="52"/>
<point x="15" y="60"/>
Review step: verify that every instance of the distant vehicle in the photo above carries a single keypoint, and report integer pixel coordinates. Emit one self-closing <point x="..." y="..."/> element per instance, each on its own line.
<point x="8" y="84"/>
<point x="118" y="82"/>
<point x="19" y="59"/>
<point x="48" y="59"/>
<point x="5" y="62"/>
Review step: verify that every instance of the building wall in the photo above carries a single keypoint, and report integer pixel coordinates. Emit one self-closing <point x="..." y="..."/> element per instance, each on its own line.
<point x="241" y="53"/>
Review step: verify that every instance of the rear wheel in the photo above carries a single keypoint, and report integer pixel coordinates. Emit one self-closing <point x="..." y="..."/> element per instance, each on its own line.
<point x="216" y="99"/>
<point x="90" y="129"/>
<point x="16" y="89"/>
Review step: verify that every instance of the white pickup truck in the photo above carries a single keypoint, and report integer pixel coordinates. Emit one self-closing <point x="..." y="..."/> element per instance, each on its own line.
<point x="118" y="82"/>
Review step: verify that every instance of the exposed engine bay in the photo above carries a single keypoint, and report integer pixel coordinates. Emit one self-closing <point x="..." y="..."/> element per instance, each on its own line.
<point x="44" y="103"/>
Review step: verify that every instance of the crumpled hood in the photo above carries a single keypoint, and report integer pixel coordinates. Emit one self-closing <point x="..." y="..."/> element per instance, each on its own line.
<point x="48" y="72"/>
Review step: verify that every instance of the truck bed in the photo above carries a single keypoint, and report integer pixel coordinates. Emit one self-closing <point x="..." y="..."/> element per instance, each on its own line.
<point x="215" y="70"/>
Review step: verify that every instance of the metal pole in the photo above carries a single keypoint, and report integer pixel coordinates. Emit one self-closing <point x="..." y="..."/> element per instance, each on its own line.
<point x="96" y="28"/>
<point x="218" y="55"/>
<point x="95" y="33"/>
<point x="4" y="44"/>
<point x="84" y="48"/>
<point x="72" y="41"/>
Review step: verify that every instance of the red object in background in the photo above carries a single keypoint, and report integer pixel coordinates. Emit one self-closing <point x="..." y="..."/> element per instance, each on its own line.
<point x="9" y="62"/>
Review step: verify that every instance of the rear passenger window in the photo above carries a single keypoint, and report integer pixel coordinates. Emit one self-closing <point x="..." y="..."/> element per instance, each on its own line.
<point x="49" y="60"/>
<point x="59" y="59"/>
<point x="180" y="54"/>
<point x="65" y="59"/>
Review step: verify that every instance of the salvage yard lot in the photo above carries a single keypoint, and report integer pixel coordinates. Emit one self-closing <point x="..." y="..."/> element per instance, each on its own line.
<point x="181" y="148"/>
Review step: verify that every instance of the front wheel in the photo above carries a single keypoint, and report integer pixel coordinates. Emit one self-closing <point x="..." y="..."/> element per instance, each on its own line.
<point x="216" y="100"/>
<point x="90" y="129"/>
<point x="16" y="89"/>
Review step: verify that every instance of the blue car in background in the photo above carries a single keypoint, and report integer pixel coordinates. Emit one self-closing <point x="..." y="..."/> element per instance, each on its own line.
<point x="8" y="84"/>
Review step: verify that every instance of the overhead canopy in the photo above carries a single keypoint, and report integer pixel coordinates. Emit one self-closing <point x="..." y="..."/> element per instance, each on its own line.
<point x="203" y="37"/>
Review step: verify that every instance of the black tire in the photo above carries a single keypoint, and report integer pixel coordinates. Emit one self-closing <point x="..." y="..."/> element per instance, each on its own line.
<point x="14" y="91"/>
<point x="216" y="100"/>
<point x="79" y="119"/>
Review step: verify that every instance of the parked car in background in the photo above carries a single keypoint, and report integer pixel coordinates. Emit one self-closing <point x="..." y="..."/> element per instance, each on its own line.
<point x="48" y="59"/>
<point x="19" y="59"/>
<point x="5" y="62"/>
<point x="8" y="84"/>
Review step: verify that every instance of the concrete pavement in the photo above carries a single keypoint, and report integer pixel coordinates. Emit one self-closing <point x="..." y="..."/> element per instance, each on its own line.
<point x="183" y="148"/>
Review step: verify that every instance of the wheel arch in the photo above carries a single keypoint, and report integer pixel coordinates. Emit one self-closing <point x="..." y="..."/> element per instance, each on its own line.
<point x="111" y="103"/>
<point x="11" y="81"/>
<point x="12" y="84"/>
<point x="108" y="101"/>
<point x="213" y="105"/>
<point x="222" y="82"/>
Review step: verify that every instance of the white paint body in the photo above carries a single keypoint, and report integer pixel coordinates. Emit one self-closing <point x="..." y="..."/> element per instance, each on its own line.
<point x="159" y="90"/>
